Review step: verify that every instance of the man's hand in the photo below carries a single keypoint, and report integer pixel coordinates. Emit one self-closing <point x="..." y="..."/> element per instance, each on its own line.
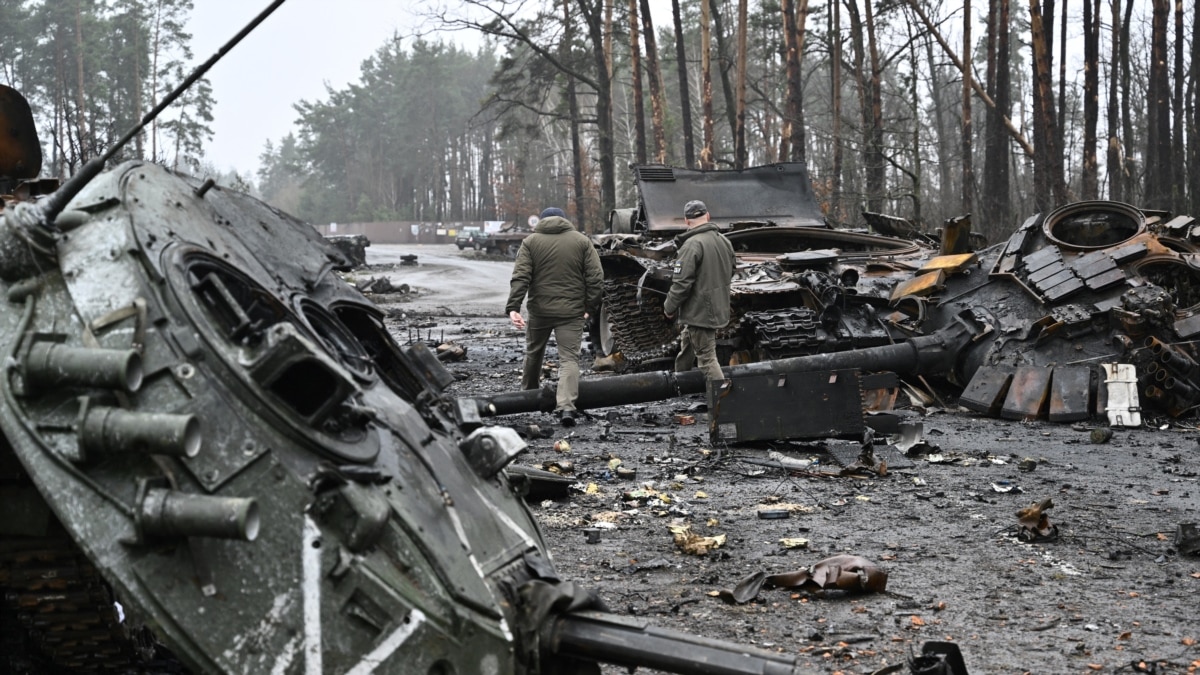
<point x="518" y="321"/>
<point x="670" y="317"/>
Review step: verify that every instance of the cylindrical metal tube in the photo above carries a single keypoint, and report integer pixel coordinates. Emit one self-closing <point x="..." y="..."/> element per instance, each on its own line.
<point x="117" y="430"/>
<point x="922" y="355"/>
<point x="1177" y="362"/>
<point x="170" y="513"/>
<point x="631" y="643"/>
<point x="1156" y="346"/>
<point x="50" y="364"/>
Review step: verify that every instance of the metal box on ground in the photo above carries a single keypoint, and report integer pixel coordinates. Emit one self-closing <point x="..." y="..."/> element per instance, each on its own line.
<point x="819" y="404"/>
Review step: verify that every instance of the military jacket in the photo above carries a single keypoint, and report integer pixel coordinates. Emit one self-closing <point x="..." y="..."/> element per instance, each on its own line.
<point x="701" y="278"/>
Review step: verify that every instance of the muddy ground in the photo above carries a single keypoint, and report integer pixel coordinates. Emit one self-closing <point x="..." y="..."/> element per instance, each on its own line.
<point x="1110" y="594"/>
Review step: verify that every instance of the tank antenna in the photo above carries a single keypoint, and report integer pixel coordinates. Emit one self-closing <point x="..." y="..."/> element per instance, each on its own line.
<point x="56" y="202"/>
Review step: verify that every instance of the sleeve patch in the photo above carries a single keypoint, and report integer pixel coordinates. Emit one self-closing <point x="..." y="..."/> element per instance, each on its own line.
<point x="677" y="269"/>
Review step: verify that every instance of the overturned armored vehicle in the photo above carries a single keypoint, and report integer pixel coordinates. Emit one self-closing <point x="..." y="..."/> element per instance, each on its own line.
<point x="205" y="431"/>
<point x="801" y="286"/>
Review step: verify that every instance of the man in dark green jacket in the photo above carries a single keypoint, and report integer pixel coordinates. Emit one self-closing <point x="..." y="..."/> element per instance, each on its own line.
<point x="559" y="270"/>
<point x="699" y="295"/>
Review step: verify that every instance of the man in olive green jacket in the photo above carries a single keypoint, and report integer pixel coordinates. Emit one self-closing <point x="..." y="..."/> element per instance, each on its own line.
<point x="559" y="270"/>
<point x="700" y="281"/>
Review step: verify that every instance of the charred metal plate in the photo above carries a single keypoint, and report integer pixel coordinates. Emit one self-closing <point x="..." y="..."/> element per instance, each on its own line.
<point x="1041" y="258"/>
<point x="1050" y="271"/>
<point x="1061" y="274"/>
<point x="1129" y="253"/>
<point x="987" y="389"/>
<point x="779" y="193"/>
<point x="1093" y="264"/>
<point x="1071" y="394"/>
<point x="950" y="263"/>
<point x="921" y="285"/>
<point x="1028" y="394"/>
<point x="1105" y="280"/>
<point x="1064" y="290"/>
<point x="1179" y="225"/>
<point x="1188" y="326"/>
<point x="768" y="407"/>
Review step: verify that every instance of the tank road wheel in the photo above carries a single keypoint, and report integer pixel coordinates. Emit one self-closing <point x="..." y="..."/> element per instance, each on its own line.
<point x="604" y="334"/>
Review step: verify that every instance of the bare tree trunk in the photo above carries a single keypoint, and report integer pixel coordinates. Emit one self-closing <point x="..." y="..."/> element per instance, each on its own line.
<point x="1178" y="198"/>
<point x="858" y="48"/>
<point x="996" y="201"/>
<point x="1126" y="119"/>
<point x="1062" y="77"/>
<point x="1193" y="120"/>
<point x="85" y="140"/>
<point x="154" y="79"/>
<point x="1049" y="188"/>
<point x="635" y="66"/>
<point x="968" y="169"/>
<point x="791" y="68"/>
<point x="875" y="161"/>
<point x="657" y="105"/>
<point x="685" y="98"/>
<point x="581" y="219"/>
<point x="592" y="14"/>
<point x="608" y="35"/>
<point x="1091" y="96"/>
<point x="835" y="86"/>
<point x="724" y="65"/>
<point x="487" y="197"/>
<point x="1158" y="144"/>
<point x="941" y="135"/>
<point x="706" y="104"/>
<point x="799" y="131"/>
<point x="915" y="110"/>
<point x="1115" y="163"/>
<point x="739" y="131"/>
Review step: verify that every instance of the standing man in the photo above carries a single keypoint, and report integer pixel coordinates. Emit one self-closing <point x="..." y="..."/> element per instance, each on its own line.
<point x="559" y="269"/>
<point x="704" y="266"/>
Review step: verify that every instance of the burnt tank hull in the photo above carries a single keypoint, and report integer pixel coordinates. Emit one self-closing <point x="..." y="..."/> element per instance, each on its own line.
<point x="801" y="287"/>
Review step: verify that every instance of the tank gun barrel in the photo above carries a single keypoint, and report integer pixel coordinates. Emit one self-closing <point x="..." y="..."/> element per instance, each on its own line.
<point x="926" y="354"/>
<point x="634" y="643"/>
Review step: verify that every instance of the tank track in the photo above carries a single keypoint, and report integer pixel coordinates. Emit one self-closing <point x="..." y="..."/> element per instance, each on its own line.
<point x="787" y="332"/>
<point x="57" y="616"/>
<point x="639" y="331"/>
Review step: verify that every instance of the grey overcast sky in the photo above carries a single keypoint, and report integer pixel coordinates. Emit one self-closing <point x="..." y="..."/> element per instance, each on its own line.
<point x="303" y="46"/>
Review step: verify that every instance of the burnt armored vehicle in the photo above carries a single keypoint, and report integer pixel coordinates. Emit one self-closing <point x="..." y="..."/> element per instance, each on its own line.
<point x="206" y="431"/>
<point x="1091" y="309"/>
<point x="801" y="286"/>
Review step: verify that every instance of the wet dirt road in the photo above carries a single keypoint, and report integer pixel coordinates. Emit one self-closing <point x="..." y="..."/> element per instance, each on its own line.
<point x="1110" y="594"/>
<point x="445" y="281"/>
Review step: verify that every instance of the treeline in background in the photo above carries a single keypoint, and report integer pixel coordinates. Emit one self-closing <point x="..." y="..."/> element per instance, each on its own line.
<point x="916" y="108"/>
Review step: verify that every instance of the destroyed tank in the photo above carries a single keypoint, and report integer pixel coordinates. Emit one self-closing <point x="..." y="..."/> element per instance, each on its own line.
<point x="801" y="286"/>
<point x="216" y="459"/>
<point x="1073" y="294"/>
<point x="1090" y="309"/>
